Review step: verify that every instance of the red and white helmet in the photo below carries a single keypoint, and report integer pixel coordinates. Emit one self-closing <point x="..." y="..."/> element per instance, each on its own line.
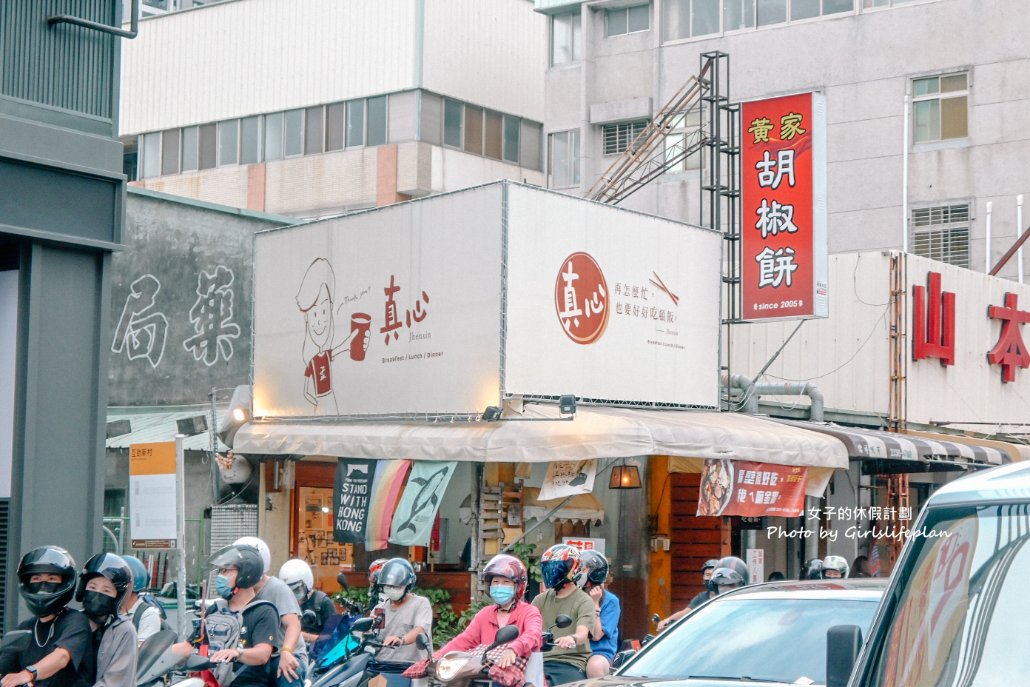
<point x="374" y="568"/>
<point x="510" y="568"/>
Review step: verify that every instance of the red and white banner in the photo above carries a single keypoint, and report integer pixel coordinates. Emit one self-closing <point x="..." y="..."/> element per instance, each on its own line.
<point x="752" y="489"/>
<point x="783" y="218"/>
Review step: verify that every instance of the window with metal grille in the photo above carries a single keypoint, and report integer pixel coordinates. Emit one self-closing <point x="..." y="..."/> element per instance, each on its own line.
<point x="618" y="137"/>
<point x="942" y="233"/>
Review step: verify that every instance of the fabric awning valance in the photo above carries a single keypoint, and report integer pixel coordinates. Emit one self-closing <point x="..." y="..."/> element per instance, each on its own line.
<point x="596" y="432"/>
<point x="580" y="508"/>
<point x="897" y="452"/>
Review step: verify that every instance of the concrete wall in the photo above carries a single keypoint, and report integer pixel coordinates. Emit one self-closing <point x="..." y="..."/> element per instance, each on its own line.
<point x="863" y="62"/>
<point x="181" y="301"/>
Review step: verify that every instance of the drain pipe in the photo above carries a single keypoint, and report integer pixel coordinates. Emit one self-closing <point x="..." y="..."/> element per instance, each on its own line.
<point x="752" y="392"/>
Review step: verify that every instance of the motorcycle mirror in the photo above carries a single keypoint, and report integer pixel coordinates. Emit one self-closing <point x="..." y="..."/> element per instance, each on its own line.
<point x="362" y="625"/>
<point x="422" y="643"/>
<point x="562" y="621"/>
<point x="504" y="635"/>
<point x="342" y="579"/>
<point x="655" y="618"/>
<point x="16" y="641"/>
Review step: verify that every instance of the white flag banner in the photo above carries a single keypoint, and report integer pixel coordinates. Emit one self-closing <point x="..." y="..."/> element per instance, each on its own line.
<point x="568" y="478"/>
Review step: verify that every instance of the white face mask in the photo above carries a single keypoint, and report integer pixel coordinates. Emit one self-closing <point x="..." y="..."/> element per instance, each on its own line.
<point x="393" y="593"/>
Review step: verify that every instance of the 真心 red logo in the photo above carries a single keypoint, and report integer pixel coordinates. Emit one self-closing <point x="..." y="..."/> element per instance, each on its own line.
<point x="581" y="298"/>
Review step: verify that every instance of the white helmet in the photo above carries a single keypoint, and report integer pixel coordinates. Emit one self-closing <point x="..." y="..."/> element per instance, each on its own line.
<point x="297" y="570"/>
<point x="261" y="546"/>
<point x="838" y="563"/>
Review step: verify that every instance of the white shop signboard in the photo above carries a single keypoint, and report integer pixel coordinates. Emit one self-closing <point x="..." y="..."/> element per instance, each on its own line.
<point x="451" y="303"/>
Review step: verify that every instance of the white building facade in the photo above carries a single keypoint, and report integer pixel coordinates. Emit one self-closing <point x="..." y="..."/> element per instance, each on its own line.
<point x="324" y="107"/>
<point x="925" y="106"/>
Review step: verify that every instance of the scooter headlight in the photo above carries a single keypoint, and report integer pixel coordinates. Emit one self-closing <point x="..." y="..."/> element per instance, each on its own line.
<point x="448" y="666"/>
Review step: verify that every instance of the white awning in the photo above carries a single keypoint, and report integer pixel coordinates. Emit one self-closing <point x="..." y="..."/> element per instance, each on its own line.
<point x="580" y="508"/>
<point x="596" y="432"/>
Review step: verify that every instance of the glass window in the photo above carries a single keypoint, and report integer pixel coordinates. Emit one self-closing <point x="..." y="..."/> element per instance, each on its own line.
<point x="250" y="140"/>
<point x="686" y="18"/>
<point x="228" y="142"/>
<point x="681" y="142"/>
<point x="564" y="159"/>
<point x="189" y="148"/>
<point x="170" y="152"/>
<point x="942" y="233"/>
<point x="511" y="138"/>
<point x="376" y="121"/>
<point x="740" y="14"/>
<point x="355" y="123"/>
<point x="940" y="107"/>
<point x="566" y="38"/>
<point x="402" y="115"/>
<point x="314" y="130"/>
<point x="615" y="22"/>
<point x="618" y="137"/>
<point x="628" y="20"/>
<point x="835" y="6"/>
<point x="151" y="155"/>
<point x="772" y="12"/>
<point x="293" y="133"/>
<point x="274" y="136"/>
<point x="531" y="145"/>
<point x="334" y="126"/>
<point x="493" y="135"/>
<point x="958" y="627"/>
<point x="208" y="146"/>
<point x="767" y="640"/>
<point x="804" y="9"/>
<point x="474" y="129"/>
<point x="452" y="114"/>
<point x="430" y="117"/>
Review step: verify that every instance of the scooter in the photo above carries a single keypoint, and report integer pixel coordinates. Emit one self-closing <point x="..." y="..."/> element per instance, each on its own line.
<point x="347" y="668"/>
<point x="158" y="658"/>
<point x="631" y="646"/>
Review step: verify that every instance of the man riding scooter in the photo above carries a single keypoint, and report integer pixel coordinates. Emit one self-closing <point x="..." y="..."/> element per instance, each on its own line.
<point x="567" y="661"/>
<point x="405" y="617"/>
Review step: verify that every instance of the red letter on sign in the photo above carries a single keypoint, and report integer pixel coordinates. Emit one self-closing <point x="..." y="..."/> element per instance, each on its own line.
<point x="934" y="325"/>
<point x="1010" y="352"/>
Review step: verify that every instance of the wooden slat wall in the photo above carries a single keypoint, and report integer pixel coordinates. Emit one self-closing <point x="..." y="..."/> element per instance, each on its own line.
<point x="694" y="539"/>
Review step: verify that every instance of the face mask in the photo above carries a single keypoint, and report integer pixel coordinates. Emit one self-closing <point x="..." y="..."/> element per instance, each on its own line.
<point x="502" y="595"/>
<point x="394" y="593"/>
<point x="301" y="592"/>
<point x="98" y="607"/>
<point x="44" y="587"/>
<point x="222" y="587"/>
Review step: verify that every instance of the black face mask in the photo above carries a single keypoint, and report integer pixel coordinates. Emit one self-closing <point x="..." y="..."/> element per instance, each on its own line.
<point x="98" y="607"/>
<point x="44" y="587"/>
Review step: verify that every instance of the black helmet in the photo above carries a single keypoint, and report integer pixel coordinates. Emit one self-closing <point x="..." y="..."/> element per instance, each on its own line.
<point x="397" y="572"/>
<point x="729" y="572"/>
<point x="50" y="560"/>
<point x="592" y="570"/>
<point x="246" y="559"/>
<point x="814" y="569"/>
<point x="710" y="564"/>
<point x="110" y="566"/>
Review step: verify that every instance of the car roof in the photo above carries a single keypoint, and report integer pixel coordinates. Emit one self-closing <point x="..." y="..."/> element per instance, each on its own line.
<point x="1003" y="484"/>
<point x="848" y="589"/>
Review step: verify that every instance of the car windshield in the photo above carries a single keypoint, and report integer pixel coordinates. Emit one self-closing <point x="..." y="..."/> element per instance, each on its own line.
<point x="962" y="611"/>
<point x="779" y="640"/>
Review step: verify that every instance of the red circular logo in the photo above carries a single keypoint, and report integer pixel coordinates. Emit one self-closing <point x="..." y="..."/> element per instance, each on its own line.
<point x="581" y="298"/>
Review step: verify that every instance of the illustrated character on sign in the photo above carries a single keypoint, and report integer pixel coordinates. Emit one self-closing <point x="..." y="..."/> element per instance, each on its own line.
<point x="315" y="299"/>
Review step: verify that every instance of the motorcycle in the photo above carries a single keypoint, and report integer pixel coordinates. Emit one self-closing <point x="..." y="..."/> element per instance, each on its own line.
<point x="631" y="646"/>
<point x="159" y="658"/>
<point x="345" y="665"/>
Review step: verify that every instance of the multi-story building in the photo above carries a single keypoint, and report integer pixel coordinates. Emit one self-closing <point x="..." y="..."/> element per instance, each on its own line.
<point x="926" y="106"/>
<point x="340" y="106"/>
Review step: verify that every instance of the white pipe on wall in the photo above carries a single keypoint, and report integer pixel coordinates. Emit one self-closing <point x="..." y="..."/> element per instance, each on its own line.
<point x="987" y="240"/>
<point x="1019" y="232"/>
<point x="904" y="170"/>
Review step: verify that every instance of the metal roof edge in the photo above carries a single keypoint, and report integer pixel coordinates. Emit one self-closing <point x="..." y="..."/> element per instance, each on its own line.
<point x="216" y="207"/>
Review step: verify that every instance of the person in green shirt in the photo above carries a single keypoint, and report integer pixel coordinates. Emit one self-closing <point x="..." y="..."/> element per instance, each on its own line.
<point x="567" y="661"/>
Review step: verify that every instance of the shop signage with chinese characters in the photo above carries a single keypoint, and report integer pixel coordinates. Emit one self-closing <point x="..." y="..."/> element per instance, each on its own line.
<point x="783" y="219"/>
<point x="751" y="489"/>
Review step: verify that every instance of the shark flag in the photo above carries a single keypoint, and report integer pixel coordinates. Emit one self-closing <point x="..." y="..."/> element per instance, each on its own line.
<point x="386" y="489"/>
<point x="413" y="521"/>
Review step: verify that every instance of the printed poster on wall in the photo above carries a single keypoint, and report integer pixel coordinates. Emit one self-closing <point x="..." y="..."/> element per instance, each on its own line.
<point x="352" y="493"/>
<point x="152" y="504"/>
<point x="568" y="478"/>
<point x="420" y="502"/>
<point x="730" y="487"/>
<point x="784" y="270"/>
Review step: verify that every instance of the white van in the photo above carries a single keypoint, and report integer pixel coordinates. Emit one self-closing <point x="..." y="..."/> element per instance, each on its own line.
<point x="957" y="610"/>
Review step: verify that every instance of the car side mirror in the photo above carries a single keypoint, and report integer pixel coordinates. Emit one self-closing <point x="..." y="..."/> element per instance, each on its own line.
<point x="562" y="621"/>
<point x="843" y="644"/>
<point x="504" y="635"/>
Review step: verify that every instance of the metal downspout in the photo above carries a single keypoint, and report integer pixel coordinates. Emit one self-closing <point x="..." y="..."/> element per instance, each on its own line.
<point x="752" y="392"/>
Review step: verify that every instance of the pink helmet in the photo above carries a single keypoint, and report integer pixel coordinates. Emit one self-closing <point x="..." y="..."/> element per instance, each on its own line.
<point x="510" y="568"/>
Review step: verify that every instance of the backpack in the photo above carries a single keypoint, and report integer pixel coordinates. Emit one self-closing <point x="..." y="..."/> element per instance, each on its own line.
<point x="222" y="630"/>
<point x="148" y="602"/>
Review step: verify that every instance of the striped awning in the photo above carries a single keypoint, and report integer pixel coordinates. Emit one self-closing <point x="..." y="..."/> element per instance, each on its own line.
<point x="899" y="449"/>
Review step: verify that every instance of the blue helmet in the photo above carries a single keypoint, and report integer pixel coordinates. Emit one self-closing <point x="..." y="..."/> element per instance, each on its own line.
<point x="140" y="574"/>
<point x="559" y="565"/>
